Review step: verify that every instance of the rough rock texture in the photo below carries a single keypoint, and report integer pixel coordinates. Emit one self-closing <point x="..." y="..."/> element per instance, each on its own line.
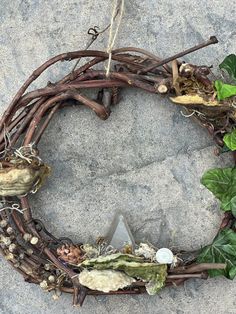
<point x="145" y="160"/>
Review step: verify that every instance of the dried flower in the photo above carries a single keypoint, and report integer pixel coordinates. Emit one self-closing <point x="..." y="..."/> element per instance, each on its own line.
<point x="146" y="250"/>
<point x="70" y="253"/>
<point x="90" y="251"/>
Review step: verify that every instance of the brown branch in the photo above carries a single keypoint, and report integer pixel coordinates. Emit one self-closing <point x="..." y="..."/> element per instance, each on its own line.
<point x="202" y="275"/>
<point x="45" y="123"/>
<point x="211" y="41"/>
<point x="196" y="268"/>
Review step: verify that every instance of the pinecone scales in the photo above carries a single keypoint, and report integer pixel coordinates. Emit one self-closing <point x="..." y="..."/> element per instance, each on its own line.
<point x="71" y="254"/>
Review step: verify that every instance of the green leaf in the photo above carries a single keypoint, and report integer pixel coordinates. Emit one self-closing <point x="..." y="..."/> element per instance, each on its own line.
<point x="230" y="140"/>
<point x="229" y="65"/>
<point x="225" y="149"/>
<point x="222" y="183"/>
<point x="224" y="90"/>
<point x="222" y="250"/>
<point x="136" y="267"/>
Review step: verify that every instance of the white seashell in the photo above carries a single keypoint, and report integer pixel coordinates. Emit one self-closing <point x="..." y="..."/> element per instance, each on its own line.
<point x="164" y="256"/>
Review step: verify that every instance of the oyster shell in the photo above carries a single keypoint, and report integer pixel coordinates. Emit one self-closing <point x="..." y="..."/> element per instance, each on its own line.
<point x="21" y="179"/>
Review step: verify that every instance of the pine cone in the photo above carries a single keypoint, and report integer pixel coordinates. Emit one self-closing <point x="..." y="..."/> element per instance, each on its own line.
<point x="70" y="254"/>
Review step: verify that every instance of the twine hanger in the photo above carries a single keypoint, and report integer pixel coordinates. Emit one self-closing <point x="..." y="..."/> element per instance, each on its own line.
<point x="118" y="12"/>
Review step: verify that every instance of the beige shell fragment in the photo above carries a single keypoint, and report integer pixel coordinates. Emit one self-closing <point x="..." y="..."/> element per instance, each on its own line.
<point x="19" y="181"/>
<point x="194" y="100"/>
<point x="105" y="280"/>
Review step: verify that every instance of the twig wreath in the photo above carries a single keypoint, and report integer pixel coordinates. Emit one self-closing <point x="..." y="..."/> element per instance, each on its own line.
<point x="59" y="265"/>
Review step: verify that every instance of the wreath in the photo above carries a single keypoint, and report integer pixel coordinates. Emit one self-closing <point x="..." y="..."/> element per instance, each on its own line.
<point x="58" y="264"/>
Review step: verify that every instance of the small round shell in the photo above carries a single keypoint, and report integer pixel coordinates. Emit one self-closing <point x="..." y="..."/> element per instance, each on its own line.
<point x="164" y="256"/>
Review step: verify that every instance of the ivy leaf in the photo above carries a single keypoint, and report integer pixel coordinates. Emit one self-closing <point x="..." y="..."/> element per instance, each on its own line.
<point x="222" y="183"/>
<point x="224" y="90"/>
<point x="225" y="149"/>
<point x="229" y="65"/>
<point x="222" y="250"/>
<point x="230" y="140"/>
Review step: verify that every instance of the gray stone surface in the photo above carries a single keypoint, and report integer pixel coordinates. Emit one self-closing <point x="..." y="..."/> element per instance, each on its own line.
<point x="146" y="160"/>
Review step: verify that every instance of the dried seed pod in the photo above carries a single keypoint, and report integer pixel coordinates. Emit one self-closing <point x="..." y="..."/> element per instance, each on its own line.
<point x="17" y="264"/>
<point x="12" y="247"/>
<point x="186" y="69"/>
<point x="30" y="251"/>
<point x="57" y="294"/>
<point x="47" y="266"/>
<point x="3" y="223"/>
<point x="34" y="240"/>
<point x="21" y="255"/>
<point x="44" y="285"/>
<point x="5" y="240"/>
<point x="27" y="237"/>
<point x="10" y="230"/>
<point x="55" y="297"/>
<point x="51" y="278"/>
<point x="9" y="257"/>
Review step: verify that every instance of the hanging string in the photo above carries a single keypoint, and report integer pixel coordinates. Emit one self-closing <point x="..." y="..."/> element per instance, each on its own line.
<point x="118" y="9"/>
